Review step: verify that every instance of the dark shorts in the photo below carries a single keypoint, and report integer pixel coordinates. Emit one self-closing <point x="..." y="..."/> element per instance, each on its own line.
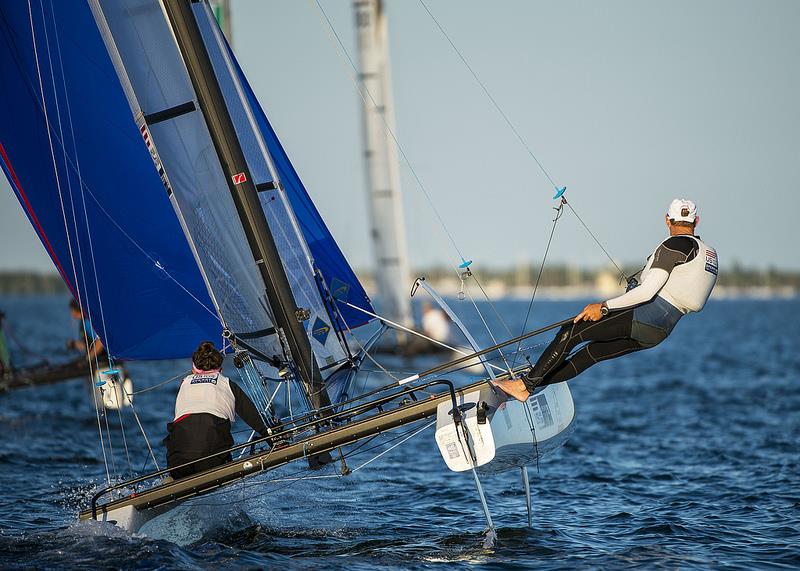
<point x="197" y="436"/>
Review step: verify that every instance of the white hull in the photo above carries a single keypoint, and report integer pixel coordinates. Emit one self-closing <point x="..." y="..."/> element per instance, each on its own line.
<point x="514" y="434"/>
<point x="131" y="519"/>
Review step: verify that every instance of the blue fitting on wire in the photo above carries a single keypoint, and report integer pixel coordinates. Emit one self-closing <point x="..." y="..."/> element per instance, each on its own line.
<point x="560" y="192"/>
<point x="465" y="264"/>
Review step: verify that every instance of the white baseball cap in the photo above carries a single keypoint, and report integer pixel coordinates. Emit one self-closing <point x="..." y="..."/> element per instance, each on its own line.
<point x="682" y="210"/>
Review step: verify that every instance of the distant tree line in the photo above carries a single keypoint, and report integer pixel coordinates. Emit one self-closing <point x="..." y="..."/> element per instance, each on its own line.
<point x="562" y="275"/>
<point x="553" y="275"/>
<point x="29" y="283"/>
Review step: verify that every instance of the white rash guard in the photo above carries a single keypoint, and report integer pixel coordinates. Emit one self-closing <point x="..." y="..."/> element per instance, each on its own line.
<point x="208" y="392"/>
<point x="682" y="271"/>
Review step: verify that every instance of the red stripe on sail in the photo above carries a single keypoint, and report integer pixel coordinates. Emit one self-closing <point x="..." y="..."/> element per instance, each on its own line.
<point x="37" y="225"/>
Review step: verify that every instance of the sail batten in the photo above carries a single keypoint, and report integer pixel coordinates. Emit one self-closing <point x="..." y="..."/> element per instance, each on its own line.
<point x="183" y="152"/>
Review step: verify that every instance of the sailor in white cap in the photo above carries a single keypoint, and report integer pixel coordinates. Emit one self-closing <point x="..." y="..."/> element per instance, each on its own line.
<point x="677" y="279"/>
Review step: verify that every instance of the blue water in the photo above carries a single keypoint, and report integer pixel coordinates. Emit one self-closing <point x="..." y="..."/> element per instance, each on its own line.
<point x="685" y="456"/>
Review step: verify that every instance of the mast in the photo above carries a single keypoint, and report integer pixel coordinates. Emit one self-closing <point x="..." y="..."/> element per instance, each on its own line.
<point x="387" y="228"/>
<point x="288" y="317"/>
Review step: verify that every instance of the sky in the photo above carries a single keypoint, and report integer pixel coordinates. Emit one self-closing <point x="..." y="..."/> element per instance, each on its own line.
<point x="627" y="103"/>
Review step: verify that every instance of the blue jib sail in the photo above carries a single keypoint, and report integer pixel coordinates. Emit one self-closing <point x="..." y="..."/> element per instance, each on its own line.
<point x="95" y="198"/>
<point x="338" y="274"/>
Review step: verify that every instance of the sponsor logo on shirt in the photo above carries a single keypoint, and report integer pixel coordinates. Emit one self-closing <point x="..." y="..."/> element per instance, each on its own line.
<point x="203" y="379"/>
<point x="712" y="265"/>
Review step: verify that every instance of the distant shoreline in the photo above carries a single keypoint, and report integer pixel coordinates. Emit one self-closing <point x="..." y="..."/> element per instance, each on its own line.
<point x="575" y="284"/>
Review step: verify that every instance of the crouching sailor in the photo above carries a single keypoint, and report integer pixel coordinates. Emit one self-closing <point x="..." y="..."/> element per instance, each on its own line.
<point x="677" y="279"/>
<point x="207" y="404"/>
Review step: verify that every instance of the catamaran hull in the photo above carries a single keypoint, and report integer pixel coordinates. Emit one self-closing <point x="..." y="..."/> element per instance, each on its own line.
<point x="132" y="519"/>
<point x="504" y="434"/>
<point x="44" y="374"/>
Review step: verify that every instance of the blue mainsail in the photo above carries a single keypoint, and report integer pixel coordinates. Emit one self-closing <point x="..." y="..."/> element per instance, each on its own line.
<point x="134" y="270"/>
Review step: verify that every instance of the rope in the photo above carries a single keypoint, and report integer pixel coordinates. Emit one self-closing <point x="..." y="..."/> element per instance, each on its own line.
<point x="144" y="434"/>
<point x="161" y="384"/>
<point x="511" y="126"/>
<point x="560" y="212"/>
<point x="489" y="95"/>
<point x="64" y="213"/>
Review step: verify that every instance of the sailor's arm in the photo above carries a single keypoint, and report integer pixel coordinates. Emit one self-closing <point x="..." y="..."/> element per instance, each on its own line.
<point x="674" y="251"/>
<point x="654" y="281"/>
<point x="96" y="348"/>
<point x="247" y="411"/>
<point x="656" y="278"/>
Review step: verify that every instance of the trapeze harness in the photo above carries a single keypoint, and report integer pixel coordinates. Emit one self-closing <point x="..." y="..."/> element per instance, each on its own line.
<point x="677" y="279"/>
<point x="207" y="404"/>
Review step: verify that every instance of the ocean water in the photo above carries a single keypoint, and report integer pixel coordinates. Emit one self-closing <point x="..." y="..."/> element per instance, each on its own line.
<point x="686" y="456"/>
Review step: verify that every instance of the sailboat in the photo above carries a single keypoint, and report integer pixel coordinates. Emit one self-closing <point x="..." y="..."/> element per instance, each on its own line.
<point x="384" y="197"/>
<point x="161" y="192"/>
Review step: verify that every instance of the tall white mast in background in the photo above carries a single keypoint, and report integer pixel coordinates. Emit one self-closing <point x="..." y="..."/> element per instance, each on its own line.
<point x="222" y="12"/>
<point x="387" y="225"/>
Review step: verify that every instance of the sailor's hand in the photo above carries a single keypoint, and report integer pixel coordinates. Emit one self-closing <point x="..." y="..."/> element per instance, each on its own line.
<point x="591" y="312"/>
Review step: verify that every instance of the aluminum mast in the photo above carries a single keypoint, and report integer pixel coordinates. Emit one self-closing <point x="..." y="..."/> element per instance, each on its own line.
<point x="387" y="225"/>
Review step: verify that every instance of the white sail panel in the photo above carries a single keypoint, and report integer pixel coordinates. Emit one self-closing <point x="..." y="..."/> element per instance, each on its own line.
<point x="164" y="104"/>
<point x="289" y="240"/>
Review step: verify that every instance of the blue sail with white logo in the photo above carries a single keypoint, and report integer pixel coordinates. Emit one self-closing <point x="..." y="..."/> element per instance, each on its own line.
<point x="77" y="164"/>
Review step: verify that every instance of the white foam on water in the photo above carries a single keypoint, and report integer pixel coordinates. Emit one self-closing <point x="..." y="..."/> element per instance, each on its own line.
<point x="198" y="518"/>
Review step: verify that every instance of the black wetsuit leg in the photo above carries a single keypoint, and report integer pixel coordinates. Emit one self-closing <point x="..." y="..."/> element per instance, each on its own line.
<point x="605" y="338"/>
<point x="589" y="355"/>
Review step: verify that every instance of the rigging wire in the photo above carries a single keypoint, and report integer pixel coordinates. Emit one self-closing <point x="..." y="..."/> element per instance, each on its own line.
<point x="597" y="241"/>
<point x="364" y="93"/>
<point x="559" y="213"/>
<point x="48" y="128"/>
<point x="409" y="330"/>
<point x="514" y="130"/>
<point x="80" y="186"/>
<point x="118" y="392"/>
<point x="490" y="96"/>
<point x="368" y="99"/>
<point x="532" y="426"/>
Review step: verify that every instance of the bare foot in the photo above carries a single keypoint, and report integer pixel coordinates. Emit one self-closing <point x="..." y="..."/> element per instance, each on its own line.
<point x="514" y="387"/>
